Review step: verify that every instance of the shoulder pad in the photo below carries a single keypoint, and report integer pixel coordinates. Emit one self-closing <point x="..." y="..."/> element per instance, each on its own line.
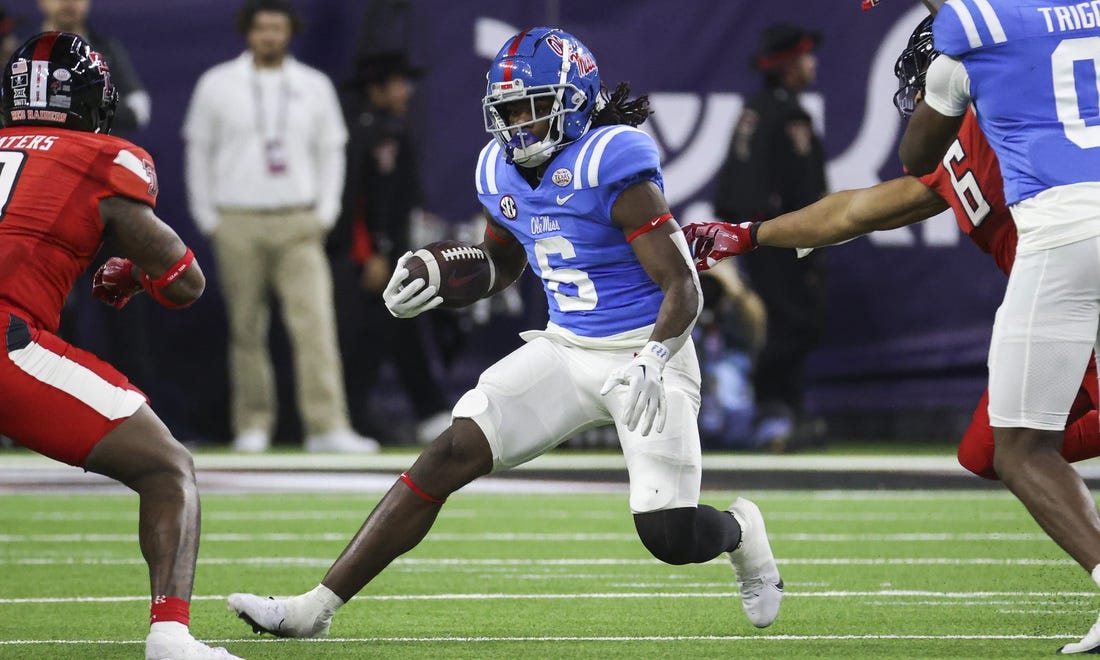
<point x="613" y="153"/>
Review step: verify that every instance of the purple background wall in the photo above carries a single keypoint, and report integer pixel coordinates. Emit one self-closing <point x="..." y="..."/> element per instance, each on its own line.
<point x="910" y="310"/>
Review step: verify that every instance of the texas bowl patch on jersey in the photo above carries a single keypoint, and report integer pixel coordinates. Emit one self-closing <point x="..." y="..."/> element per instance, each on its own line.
<point x="562" y="177"/>
<point x="461" y="273"/>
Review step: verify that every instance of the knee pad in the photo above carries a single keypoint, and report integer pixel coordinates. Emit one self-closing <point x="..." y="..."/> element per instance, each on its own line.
<point x="669" y="534"/>
<point x="472" y="405"/>
<point x="475" y="405"/>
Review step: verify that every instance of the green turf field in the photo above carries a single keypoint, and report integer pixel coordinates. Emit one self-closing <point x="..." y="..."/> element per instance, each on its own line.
<point x="869" y="574"/>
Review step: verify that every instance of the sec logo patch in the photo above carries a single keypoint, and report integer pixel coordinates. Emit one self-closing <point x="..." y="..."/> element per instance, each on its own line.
<point x="508" y="207"/>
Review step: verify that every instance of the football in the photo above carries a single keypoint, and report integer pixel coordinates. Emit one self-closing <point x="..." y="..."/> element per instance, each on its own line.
<point x="460" y="272"/>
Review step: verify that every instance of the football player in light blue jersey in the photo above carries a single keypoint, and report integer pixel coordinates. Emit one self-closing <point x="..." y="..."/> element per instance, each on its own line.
<point x="572" y="188"/>
<point x="1032" y="70"/>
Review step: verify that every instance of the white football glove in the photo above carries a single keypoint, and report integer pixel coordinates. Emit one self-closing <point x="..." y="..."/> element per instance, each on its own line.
<point x="645" y="401"/>
<point x="405" y="302"/>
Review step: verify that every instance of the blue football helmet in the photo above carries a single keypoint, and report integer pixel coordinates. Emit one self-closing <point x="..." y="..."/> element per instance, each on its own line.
<point x="911" y="67"/>
<point x="547" y="65"/>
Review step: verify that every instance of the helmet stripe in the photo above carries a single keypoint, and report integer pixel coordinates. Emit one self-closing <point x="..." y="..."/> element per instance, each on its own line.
<point x="509" y="65"/>
<point x="37" y="95"/>
<point x="40" y="70"/>
<point x="44" y="47"/>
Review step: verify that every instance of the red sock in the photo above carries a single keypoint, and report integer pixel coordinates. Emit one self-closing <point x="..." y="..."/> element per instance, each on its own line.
<point x="1082" y="438"/>
<point x="976" y="447"/>
<point x="167" y="608"/>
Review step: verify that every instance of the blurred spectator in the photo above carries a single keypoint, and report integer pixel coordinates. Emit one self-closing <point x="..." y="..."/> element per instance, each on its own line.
<point x="776" y="164"/>
<point x="134" y="106"/>
<point x="9" y="41"/>
<point x="728" y="336"/>
<point x="265" y="166"/>
<point x="123" y="338"/>
<point x="390" y="25"/>
<point x="381" y="195"/>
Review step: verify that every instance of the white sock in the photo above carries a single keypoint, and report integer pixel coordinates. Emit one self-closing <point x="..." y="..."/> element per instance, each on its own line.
<point x="1096" y="575"/>
<point x="169" y="628"/>
<point x="324" y="596"/>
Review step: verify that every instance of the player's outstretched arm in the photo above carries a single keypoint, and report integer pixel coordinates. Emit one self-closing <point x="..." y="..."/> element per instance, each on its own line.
<point x="833" y="219"/>
<point x="927" y="138"/>
<point x="154" y="248"/>
<point x="509" y="257"/>
<point x="847" y="214"/>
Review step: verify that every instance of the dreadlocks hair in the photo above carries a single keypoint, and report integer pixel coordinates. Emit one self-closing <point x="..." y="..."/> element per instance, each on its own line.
<point x="615" y="108"/>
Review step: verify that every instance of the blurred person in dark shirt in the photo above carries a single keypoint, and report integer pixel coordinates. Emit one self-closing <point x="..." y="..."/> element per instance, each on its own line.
<point x="382" y="194"/>
<point x="134" y="106"/>
<point x="776" y="164"/>
<point x="9" y="41"/>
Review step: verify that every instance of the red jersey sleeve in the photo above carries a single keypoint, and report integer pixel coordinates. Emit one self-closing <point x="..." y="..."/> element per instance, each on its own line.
<point x="130" y="173"/>
<point x="969" y="179"/>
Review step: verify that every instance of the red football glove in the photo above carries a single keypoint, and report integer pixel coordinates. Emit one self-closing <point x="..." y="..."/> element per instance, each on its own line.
<point x="870" y="4"/>
<point x="113" y="283"/>
<point x="711" y="242"/>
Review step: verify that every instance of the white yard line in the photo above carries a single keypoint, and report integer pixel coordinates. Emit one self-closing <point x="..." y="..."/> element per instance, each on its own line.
<point x="290" y="537"/>
<point x="564" y="638"/>
<point x="413" y="562"/>
<point x="342" y="514"/>
<point x="628" y="595"/>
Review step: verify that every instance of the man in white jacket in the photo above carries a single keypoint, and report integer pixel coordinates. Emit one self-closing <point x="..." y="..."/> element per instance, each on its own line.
<point x="265" y="172"/>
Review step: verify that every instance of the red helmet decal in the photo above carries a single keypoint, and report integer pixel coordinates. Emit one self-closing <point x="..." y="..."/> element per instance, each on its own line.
<point x="584" y="62"/>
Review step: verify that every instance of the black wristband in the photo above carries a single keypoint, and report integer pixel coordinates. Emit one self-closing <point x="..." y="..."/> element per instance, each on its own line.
<point x="752" y="233"/>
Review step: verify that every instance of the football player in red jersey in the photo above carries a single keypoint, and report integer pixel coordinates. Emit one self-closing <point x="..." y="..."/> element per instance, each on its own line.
<point x="64" y="184"/>
<point x="968" y="181"/>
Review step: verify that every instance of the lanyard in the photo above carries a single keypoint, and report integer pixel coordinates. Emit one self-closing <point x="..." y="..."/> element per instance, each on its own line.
<point x="282" y="103"/>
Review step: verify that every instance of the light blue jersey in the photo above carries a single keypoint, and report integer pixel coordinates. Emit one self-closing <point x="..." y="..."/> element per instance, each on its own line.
<point x="1034" y="70"/>
<point x="595" y="286"/>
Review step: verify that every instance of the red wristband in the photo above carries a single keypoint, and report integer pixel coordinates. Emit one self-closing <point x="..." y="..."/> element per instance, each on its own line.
<point x="173" y="273"/>
<point x="153" y="287"/>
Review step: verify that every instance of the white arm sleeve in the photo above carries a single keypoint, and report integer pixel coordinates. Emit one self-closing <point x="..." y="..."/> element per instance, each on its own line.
<point x="674" y="344"/>
<point x="947" y="86"/>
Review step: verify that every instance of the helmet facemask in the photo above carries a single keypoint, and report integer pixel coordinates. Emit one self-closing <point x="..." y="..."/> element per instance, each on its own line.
<point x="910" y="83"/>
<point x="519" y="141"/>
<point x="911" y="68"/>
<point x="554" y="73"/>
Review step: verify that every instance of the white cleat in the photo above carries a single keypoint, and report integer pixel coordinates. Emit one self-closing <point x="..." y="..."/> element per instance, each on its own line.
<point x="252" y="442"/>
<point x="282" y="617"/>
<point x="182" y="646"/>
<point x="753" y="563"/>
<point x="1089" y="644"/>
<point x="342" y="441"/>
